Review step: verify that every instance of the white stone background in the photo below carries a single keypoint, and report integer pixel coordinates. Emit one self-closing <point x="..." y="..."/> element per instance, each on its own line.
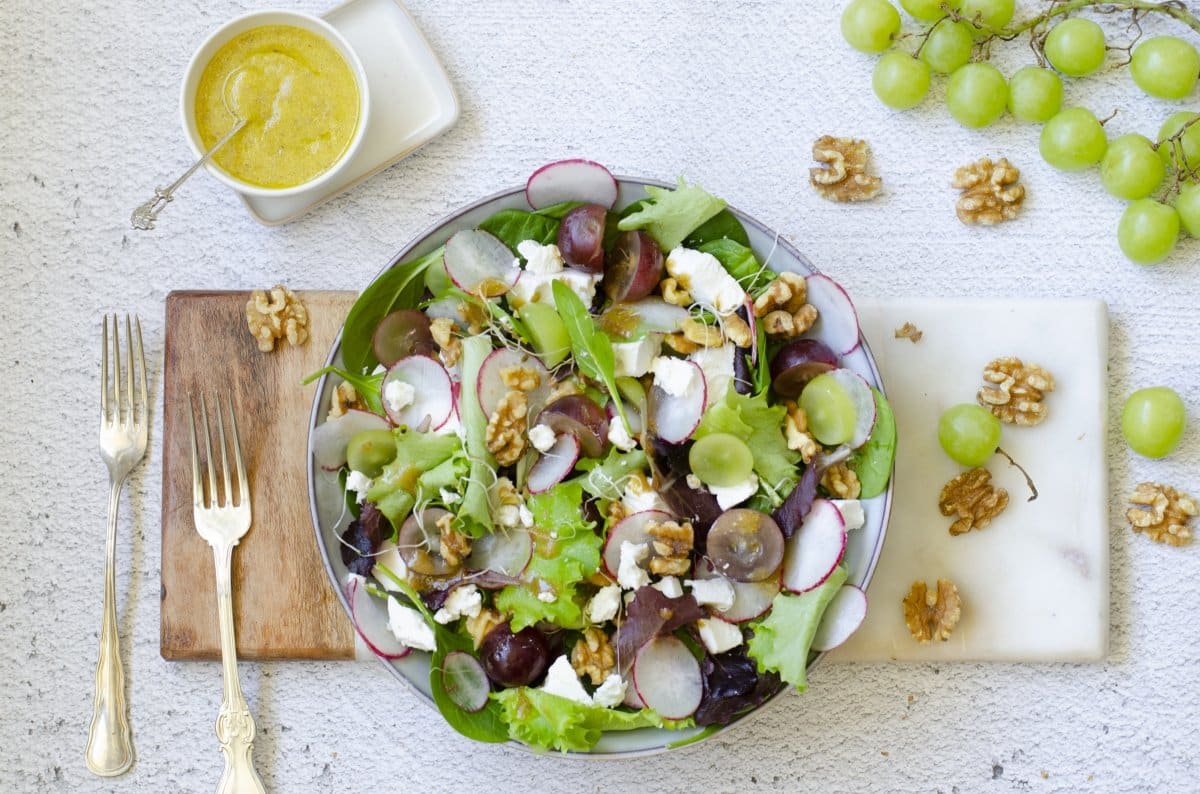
<point x="729" y="93"/>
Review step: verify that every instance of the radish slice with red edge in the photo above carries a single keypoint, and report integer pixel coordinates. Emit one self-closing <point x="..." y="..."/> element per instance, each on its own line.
<point x="507" y="552"/>
<point x="433" y="393"/>
<point x="571" y="180"/>
<point x="632" y="529"/>
<point x="553" y="465"/>
<point x="370" y="620"/>
<point x="478" y="262"/>
<point x="816" y="548"/>
<point x="632" y="699"/>
<point x="750" y="599"/>
<point x="490" y="386"/>
<point x="675" y="418"/>
<point x="465" y="681"/>
<point x="667" y="678"/>
<point x="844" y="614"/>
<point x="330" y="438"/>
<point x="864" y="404"/>
<point x="837" y="321"/>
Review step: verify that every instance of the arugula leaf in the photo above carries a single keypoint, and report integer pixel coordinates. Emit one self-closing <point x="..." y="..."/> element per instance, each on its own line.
<point x="723" y="225"/>
<point x="550" y="722"/>
<point x="515" y="226"/>
<point x="761" y="427"/>
<point x="369" y="387"/>
<point x="782" y="640"/>
<point x="671" y="215"/>
<point x="741" y="263"/>
<point x="592" y="347"/>
<point x="873" y="461"/>
<point x="762" y="369"/>
<point x="474" y="516"/>
<point x="400" y="287"/>
<point x="605" y="479"/>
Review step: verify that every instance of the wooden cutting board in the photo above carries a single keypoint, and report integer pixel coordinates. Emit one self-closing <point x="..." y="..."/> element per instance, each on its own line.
<point x="284" y="607"/>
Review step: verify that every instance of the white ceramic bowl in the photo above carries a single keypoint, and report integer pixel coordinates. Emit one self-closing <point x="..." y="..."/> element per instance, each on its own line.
<point x="219" y="38"/>
<point x="327" y="499"/>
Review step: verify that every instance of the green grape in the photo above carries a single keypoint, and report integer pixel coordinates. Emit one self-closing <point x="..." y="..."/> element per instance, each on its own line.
<point x="548" y="333"/>
<point x="992" y="14"/>
<point x="1131" y="169"/>
<point x="1034" y="94"/>
<point x="1187" y="147"/>
<point x="948" y="46"/>
<point x="977" y="95"/>
<point x="1073" y="140"/>
<point x="870" y="25"/>
<point x="1188" y="207"/>
<point x="1165" y="67"/>
<point x="926" y="10"/>
<point x="969" y="434"/>
<point x="1153" y="421"/>
<point x="370" y="450"/>
<point x="721" y="460"/>
<point x="1075" y="47"/>
<point x="831" y="412"/>
<point x="900" y="80"/>
<point x="1148" y="231"/>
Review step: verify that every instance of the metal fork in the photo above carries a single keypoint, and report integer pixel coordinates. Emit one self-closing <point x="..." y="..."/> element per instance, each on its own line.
<point x="123" y="424"/>
<point x="222" y="522"/>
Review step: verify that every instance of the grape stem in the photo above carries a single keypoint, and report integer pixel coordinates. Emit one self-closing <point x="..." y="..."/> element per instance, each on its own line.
<point x="1171" y="8"/>
<point x="1184" y="170"/>
<point x="1033" y="491"/>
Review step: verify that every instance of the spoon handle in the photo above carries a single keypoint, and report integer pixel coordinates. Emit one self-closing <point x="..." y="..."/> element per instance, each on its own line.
<point x="145" y="215"/>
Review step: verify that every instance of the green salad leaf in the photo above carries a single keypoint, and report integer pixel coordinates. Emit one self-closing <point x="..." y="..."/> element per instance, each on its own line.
<point x="669" y="216"/>
<point x="592" y="347"/>
<point x="782" y="640"/>
<point x="722" y="226"/>
<point x="514" y="226"/>
<point x="474" y="516"/>
<point x="369" y="387"/>
<point x="605" y="479"/>
<point x="873" y="461"/>
<point x="399" y="287"/>
<point x="550" y="722"/>
<point x="760" y="425"/>
<point x="559" y="563"/>
<point x="403" y="481"/>
<point x="741" y="263"/>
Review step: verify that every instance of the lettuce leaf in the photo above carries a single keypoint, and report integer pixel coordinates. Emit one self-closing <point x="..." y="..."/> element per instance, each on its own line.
<point x="782" y="639"/>
<point x="559" y="563"/>
<point x="549" y="722"/>
<point x="873" y="461"/>
<point x="761" y="427"/>
<point x="398" y="486"/>
<point x="669" y="216"/>
<point x="722" y="226"/>
<point x="474" y="516"/>
<point x="398" y="288"/>
<point x="741" y="263"/>
<point x="605" y="479"/>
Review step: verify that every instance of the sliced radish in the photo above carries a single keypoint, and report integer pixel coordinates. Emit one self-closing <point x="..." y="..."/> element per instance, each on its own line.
<point x="864" y="404"/>
<point x="631" y="528"/>
<point x="655" y="315"/>
<point x="370" y="620"/>
<point x="480" y="263"/>
<point x="507" y="552"/>
<point x="632" y="414"/>
<point x="673" y="418"/>
<point x="571" y="180"/>
<point x="667" y="678"/>
<point x="750" y="599"/>
<point x="632" y="699"/>
<point x="330" y="438"/>
<point x="816" y="548"/>
<point x="837" y="321"/>
<point x="842" y="618"/>
<point x="433" y="393"/>
<point x="553" y="466"/>
<point x="465" y="681"/>
<point x="448" y="308"/>
<point x="490" y="386"/>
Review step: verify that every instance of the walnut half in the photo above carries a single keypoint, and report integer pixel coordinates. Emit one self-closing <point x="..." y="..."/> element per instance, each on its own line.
<point x="973" y="499"/>
<point x="1162" y="512"/>
<point x="1015" y="391"/>
<point x="844" y="176"/>
<point x="991" y="192"/>
<point x="274" y="316"/>
<point x="932" y="614"/>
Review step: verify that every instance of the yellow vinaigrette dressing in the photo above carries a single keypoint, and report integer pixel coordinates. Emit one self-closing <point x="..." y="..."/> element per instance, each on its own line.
<point x="299" y="98"/>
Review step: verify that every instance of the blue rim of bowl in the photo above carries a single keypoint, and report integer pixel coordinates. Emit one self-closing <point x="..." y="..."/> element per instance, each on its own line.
<point x="404" y="252"/>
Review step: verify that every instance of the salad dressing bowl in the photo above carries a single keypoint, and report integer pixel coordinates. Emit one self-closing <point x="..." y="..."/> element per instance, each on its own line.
<point x="327" y="496"/>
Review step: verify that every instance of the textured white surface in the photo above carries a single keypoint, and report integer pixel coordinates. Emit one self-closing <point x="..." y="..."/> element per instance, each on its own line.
<point x="731" y="94"/>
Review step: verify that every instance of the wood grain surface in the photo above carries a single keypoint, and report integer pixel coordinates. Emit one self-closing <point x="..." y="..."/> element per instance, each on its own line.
<point x="284" y="606"/>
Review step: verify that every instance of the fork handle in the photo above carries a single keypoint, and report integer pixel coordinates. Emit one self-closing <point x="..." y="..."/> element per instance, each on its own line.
<point x="110" y="743"/>
<point x="235" y="725"/>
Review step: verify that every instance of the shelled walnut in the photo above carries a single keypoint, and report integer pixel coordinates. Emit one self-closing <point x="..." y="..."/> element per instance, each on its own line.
<point x="784" y="307"/>
<point x="991" y="192"/>
<point x="1163" y="513"/>
<point x="910" y="332"/>
<point x="505" y="434"/>
<point x="453" y="545"/>
<point x="973" y="499"/>
<point x="843" y="177"/>
<point x="841" y="481"/>
<point x="795" y="432"/>
<point x="442" y="330"/>
<point x="671" y="543"/>
<point x="275" y="316"/>
<point x="932" y="614"/>
<point x="1016" y="391"/>
<point x="343" y="399"/>
<point x="593" y="655"/>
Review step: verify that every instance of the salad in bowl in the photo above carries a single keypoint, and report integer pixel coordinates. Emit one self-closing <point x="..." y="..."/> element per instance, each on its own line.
<point x="593" y="472"/>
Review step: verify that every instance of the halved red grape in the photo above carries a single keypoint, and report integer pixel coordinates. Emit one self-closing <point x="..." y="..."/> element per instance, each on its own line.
<point x="403" y="333"/>
<point x="581" y="237"/>
<point x="514" y="659"/>
<point x="579" y="416"/>
<point x="797" y="363"/>
<point x="633" y="267"/>
<point x="745" y="545"/>
<point x="419" y="543"/>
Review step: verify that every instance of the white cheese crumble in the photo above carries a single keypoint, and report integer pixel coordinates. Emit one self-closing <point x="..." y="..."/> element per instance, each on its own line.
<point x="852" y="512"/>
<point x="543" y="260"/>
<point x="359" y="483"/>
<point x="633" y="359"/>
<point x="717" y="365"/>
<point x="463" y="601"/>
<point x="409" y="627"/>
<point x="717" y="635"/>
<point x="604" y="604"/>
<point x="708" y="282"/>
<point x="525" y="516"/>
<point x="398" y="395"/>
<point x="562" y="681"/>
<point x="449" y="497"/>
<point x="619" y="435"/>
<point x="734" y="495"/>
<point x="669" y="586"/>
<point x="637" y="501"/>
<point x="716" y="591"/>
<point x="389" y="557"/>
<point x="542" y="437"/>
<point x="611" y="691"/>
<point x="629" y="572"/>
<point x="675" y="376"/>
<point x="544" y="264"/>
<point x="693" y="482"/>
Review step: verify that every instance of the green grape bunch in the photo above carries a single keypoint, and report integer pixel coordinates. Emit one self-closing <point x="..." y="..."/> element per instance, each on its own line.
<point x="1160" y="177"/>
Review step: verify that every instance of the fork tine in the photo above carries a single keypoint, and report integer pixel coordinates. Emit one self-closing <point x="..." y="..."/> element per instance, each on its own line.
<point x="243" y="485"/>
<point x="197" y="485"/>
<point x="141" y="357"/>
<point x="212" y="472"/>
<point x="224" y="457"/>
<point x="104" y="372"/>
<point x="116" y="384"/>
<point x="129" y="368"/>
